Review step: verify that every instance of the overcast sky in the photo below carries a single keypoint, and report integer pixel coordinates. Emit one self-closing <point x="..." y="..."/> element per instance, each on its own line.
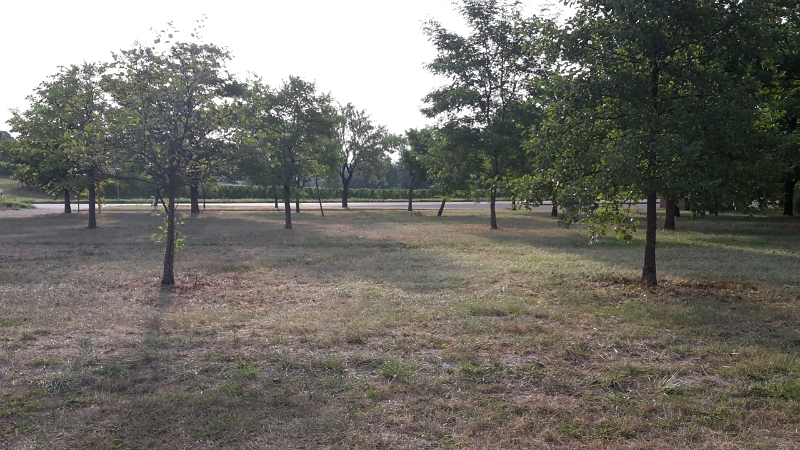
<point x="367" y="52"/>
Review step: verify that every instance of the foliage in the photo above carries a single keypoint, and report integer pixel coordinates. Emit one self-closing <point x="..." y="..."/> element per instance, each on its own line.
<point x="63" y="141"/>
<point x="362" y="147"/>
<point x="487" y="72"/>
<point x="169" y="102"/>
<point x="656" y="97"/>
<point x="285" y="134"/>
<point x="781" y="100"/>
<point x="161" y="236"/>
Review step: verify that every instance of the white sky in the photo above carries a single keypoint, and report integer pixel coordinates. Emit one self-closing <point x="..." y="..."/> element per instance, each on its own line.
<point x="367" y="52"/>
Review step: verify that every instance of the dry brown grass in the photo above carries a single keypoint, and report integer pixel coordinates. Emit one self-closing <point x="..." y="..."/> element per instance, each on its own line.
<point x="384" y="329"/>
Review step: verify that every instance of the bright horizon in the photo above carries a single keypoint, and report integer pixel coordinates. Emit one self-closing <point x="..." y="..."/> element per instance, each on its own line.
<point x="367" y="53"/>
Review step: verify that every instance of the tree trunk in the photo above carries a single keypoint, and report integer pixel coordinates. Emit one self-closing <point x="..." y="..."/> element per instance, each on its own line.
<point x="194" y="199"/>
<point x="275" y="194"/>
<point x="669" y="214"/>
<point x="410" y="198"/>
<point x="92" y="202"/>
<point x="287" y="207"/>
<point x="788" y="197"/>
<point x="441" y="207"/>
<point x="168" y="277"/>
<point x="319" y="196"/>
<point x="649" y="268"/>
<point x="297" y="203"/>
<point x="492" y="211"/>
<point x="553" y="208"/>
<point x="345" y="192"/>
<point x="67" y="205"/>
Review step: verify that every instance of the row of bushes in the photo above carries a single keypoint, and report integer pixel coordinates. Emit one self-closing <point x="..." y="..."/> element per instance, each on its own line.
<point x="235" y="192"/>
<point x="242" y="192"/>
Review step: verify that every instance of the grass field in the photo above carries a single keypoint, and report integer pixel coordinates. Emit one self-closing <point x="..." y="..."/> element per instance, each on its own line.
<point x="12" y="188"/>
<point x="382" y="329"/>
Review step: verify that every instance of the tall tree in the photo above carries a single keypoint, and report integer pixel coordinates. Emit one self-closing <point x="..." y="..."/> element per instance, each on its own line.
<point x="487" y="72"/>
<point x="658" y="97"/>
<point x="783" y="91"/>
<point x="63" y="136"/>
<point x="168" y="101"/>
<point x="364" y="147"/>
<point x="285" y="132"/>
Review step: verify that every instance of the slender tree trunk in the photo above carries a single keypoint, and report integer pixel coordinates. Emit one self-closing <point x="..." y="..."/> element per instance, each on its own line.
<point x="194" y="199"/>
<point x="92" y="202"/>
<point x="275" y="193"/>
<point x="168" y="277"/>
<point x="67" y="205"/>
<point x="78" y="198"/>
<point x="410" y="198"/>
<point x="492" y="211"/>
<point x="669" y="214"/>
<point x="204" y="197"/>
<point x="554" y="207"/>
<point x="441" y="207"/>
<point x="788" y="197"/>
<point x="676" y="208"/>
<point x="319" y="196"/>
<point x="649" y="268"/>
<point x="297" y="197"/>
<point x="345" y="192"/>
<point x="287" y="207"/>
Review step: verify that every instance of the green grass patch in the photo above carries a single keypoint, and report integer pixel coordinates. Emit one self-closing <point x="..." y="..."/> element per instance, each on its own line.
<point x="14" y="202"/>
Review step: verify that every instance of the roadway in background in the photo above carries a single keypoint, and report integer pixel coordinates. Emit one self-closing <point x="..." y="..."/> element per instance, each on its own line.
<point x="56" y="208"/>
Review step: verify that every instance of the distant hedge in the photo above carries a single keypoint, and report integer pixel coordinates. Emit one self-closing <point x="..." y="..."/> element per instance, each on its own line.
<point x="248" y="191"/>
<point x="236" y="192"/>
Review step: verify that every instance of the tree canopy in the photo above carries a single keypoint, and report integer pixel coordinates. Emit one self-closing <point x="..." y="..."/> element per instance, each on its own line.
<point x="166" y="117"/>
<point x="487" y="72"/>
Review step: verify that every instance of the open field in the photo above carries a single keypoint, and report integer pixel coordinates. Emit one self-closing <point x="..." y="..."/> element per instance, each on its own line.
<point x="383" y="329"/>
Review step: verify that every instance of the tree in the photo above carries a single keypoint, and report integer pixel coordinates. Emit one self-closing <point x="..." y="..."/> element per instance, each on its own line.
<point x="285" y="132"/>
<point x="411" y="159"/>
<point x="363" y="147"/>
<point x="488" y="72"/>
<point x="168" y="100"/>
<point x="63" y="136"/>
<point x="658" y="98"/>
<point x="783" y="93"/>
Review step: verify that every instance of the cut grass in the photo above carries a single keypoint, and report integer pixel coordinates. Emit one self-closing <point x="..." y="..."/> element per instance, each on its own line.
<point x="15" y="194"/>
<point x="13" y="202"/>
<point x="366" y="329"/>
